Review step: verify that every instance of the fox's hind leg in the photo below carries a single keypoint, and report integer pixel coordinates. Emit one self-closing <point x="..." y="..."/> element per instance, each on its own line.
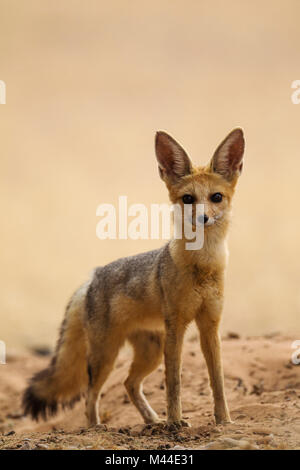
<point x="102" y="354"/>
<point x="148" y="351"/>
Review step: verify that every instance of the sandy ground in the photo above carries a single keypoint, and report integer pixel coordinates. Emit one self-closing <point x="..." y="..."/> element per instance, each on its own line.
<point x="263" y="389"/>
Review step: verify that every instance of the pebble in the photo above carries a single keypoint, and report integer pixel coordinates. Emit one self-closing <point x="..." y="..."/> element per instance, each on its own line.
<point x="229" y="443"/>
<point x="179" y="448"/>
<point x="42" y="446"/>
<point x="26" y="446"/>
<point x="262" y="431"/>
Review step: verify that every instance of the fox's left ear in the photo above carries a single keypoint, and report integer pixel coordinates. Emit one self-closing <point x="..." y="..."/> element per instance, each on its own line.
<point x="228" y="158"/>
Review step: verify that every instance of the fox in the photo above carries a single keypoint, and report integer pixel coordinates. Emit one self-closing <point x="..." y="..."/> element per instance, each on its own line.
<point x="149" y="299"/>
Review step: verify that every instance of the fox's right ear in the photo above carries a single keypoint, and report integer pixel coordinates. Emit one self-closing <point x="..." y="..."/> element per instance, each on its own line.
<point x="173" y="162"/>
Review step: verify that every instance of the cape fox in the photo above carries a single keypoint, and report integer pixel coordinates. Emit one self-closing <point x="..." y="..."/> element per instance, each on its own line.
<point x="149" y="299"/>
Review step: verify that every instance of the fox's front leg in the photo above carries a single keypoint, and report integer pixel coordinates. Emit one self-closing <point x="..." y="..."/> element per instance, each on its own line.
<point x="173" y="347"/>
<point x="208" y="320"/>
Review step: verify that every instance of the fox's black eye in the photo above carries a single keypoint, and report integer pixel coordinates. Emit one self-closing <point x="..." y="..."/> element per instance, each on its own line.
<point x="188" y="199"/>
<point x="217" y="197"/>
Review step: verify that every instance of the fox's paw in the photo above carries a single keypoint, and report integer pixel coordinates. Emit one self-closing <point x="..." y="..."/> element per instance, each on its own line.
<point x="163" y="426"/>
<point x="153" y="419"/>
<point x="100" y="427"/>
<point x="223" y="420"/>
<point x="176" y="425"/>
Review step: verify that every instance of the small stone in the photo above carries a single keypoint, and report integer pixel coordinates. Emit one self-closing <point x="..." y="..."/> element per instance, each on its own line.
<point x="15" y="415"/>
<point x="233" y="335"/>
<point x="124" y="431"/>
<point x="26" y="446"/>
<point x="42" y="446"/>
<point x="262" y="431"/>
<point x="229" y="443"/>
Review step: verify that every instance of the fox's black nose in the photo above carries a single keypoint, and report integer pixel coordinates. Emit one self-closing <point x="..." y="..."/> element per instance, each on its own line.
<point x="203" y="219"/>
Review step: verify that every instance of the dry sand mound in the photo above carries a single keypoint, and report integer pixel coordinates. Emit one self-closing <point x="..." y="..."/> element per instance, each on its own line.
<point x="263" y="389"/>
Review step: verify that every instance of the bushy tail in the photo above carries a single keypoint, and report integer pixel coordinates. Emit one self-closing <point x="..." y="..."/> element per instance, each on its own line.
<point x="64" y="381"/>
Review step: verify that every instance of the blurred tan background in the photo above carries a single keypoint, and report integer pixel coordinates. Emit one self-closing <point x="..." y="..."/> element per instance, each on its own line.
<point x="88" y="84"/>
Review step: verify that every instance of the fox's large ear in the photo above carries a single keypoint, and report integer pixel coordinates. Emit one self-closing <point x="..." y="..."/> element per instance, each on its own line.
<point x="228" y="158"/>
<point x="173" y="162"/>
